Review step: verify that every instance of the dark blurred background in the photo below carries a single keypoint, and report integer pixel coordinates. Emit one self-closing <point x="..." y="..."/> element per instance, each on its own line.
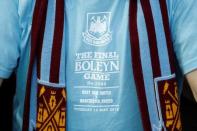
<point x="6" y="95"/>
<point x="188" y="107"/>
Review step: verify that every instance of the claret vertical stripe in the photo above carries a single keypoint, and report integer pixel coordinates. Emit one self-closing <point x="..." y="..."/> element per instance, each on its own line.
<point x="136" y="63"/>
<point x="40" y="40"/>
<point x="57" y="42"/>
<point x="38" y="19"/>
<point x="166" y="25"/>
<point x="151" y="37"/>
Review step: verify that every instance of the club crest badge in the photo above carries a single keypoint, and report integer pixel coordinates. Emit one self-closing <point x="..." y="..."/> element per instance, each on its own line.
<point x="51" y="109"/>
<point x="98" y="29"/>
<point x="168" y="101"/>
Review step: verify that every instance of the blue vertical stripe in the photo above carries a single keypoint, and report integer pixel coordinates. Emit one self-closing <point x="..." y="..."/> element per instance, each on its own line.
<point x="33" y="103"/>
<point x="161" y="39"/>
<point x="63" y="56"/>
<point x="147" y="67"/>
<point x="48" y="41"/>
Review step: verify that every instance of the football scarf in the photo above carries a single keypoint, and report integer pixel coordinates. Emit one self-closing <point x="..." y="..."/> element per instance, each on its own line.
<point x="46" y="47"/>
<point x="152" y="55"/>
<point x="152" y="58"/>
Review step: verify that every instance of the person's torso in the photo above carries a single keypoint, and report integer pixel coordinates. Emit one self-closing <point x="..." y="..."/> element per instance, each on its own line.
<point x="101" y="92"/>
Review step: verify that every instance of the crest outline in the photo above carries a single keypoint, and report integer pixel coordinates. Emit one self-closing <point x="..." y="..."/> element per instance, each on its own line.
<point x="98" y="31"/>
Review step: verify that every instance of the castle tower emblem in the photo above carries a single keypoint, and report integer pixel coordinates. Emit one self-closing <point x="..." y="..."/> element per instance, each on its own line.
<point x="51" y="109"/>
<point x="98" y="29"/>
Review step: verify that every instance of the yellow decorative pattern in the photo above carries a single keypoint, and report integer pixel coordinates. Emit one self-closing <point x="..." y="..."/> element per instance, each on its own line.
<point x="169" y="101"/>
<point x="51" y="109"/>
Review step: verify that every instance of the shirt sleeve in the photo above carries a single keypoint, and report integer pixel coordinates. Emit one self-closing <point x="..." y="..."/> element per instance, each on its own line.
<point x="184" y="33"/>
<point x="9" y="36"/>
